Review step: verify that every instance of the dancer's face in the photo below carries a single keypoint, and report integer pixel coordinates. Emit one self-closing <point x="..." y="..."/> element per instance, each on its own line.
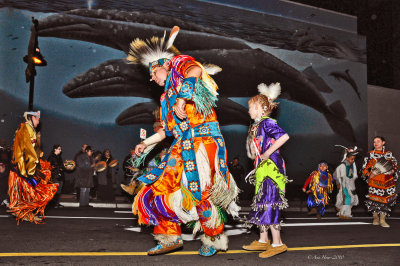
<point x="255" y="110"/>
<point x="323" y="167"/>
<point x="378" y="144"/>
<point x="160" y="74"/>
<point x="57" y="151"/>
<point x="351" y="159"/>
<point x="35" y="121"/>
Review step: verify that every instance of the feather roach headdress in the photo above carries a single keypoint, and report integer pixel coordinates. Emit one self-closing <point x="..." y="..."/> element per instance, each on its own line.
<point x="37" y="114"/>
<point x="272" y="91"/>
<point x="348" y="151"/>
<point x="154" y="52"/>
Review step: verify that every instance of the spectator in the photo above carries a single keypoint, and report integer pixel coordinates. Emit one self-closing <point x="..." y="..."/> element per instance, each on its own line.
<point x="84" y="177"/>
<point x="82" y="151"/>
<point x="237" y="171"/>
<point x="5" y="153"/>
<point x="4" y="172"/>
<point x="57" y="172"/>
<point x="105" y="190"/>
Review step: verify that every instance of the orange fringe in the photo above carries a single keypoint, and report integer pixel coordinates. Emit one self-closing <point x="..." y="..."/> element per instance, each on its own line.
<point x="26" y="201"/>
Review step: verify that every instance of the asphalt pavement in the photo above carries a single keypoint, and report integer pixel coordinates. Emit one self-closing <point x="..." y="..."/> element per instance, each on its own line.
<point x="110" y="236"/>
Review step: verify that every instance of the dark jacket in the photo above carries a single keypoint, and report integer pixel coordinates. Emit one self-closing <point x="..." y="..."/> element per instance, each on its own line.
<point x="107" y="175"/>
<point x="57" y="167"/>
<point x="84" y="177"/>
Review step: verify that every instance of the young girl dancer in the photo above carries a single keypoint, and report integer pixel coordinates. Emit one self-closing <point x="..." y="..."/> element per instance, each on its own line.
<point x="264" y="140"/>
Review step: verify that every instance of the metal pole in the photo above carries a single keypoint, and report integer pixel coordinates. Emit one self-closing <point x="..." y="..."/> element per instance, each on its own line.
<point x="31" y="91"/>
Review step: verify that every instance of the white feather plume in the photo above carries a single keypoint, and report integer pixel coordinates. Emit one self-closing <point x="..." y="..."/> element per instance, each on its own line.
<point x="212" y="69"/>
<point x="172" y="36"/>
<point x="272" y="91"/>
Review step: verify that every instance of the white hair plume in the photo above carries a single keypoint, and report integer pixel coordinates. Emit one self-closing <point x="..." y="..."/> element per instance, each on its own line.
<point x="150" y="50"/>
<point x="272" y="91"/>
<point x="212" y="69"/>
<point x="172" y="36"/>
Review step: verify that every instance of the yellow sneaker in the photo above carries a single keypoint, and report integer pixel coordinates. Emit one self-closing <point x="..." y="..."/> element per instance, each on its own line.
<point x="257" y="246"/>
<point x="273" y="251"/>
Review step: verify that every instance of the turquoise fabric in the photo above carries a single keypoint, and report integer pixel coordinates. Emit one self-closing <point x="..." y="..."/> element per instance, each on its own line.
<point x="347" y="197"/>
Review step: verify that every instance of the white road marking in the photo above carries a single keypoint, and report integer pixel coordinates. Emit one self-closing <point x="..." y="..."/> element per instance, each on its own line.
<point x="322" y="224"/>
<point x="336" y="218"/>
<point x="134" y="229"/>
<point x="99" y="205"/>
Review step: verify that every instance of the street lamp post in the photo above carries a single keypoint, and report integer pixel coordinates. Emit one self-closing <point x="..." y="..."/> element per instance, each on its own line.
<point x="33" y="58"/>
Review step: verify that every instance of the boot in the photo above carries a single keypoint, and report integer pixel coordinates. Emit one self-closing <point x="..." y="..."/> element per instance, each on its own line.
<point x="212" y="244"/>
<point x="382" y="220"/>
<point x="257" y="246"/>
<point x="166" y="244"/>
<point x="376" y="218"/>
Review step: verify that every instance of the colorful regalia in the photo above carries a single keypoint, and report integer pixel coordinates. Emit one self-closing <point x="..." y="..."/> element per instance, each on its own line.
<point x="29" y="187"/>
<point x="270" y="175"/>
<point x="346" y="198"/>
<point x="320" y="186"/>
<point x="382" y="187"/>
<point x="192" y="182"/>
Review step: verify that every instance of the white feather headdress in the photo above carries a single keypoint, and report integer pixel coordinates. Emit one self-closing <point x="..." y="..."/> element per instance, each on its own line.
<point x="348" y="151"/>
<point x="37" y="114"/>
<point x="272" y="91"/>
<point x="147" y="51"/>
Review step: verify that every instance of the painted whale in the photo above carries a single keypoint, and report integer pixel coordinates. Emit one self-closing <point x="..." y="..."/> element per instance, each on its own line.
<point x="243" y="68"/>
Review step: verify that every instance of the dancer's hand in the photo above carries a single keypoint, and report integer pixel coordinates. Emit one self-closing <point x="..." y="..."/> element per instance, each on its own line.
<point x="371" y="175"/>
<point x="304" y="190"/>
<point x="140" y="148"/>
<point x="264" y="156"/>
<point x="180" y="108"/>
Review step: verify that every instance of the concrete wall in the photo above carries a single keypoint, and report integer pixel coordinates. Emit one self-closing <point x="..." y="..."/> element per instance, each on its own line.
<point x="384" y="117"/>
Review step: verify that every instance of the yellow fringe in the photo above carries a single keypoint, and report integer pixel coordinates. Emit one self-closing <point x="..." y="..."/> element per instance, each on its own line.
<point x="188" y="199"/>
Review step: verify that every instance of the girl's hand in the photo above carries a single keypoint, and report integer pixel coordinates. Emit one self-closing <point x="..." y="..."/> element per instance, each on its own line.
<point x="264" y="156"/>
<point x="304" y="190"/>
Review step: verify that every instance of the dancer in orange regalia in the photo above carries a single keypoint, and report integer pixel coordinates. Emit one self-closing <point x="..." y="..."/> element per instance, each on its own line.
<point x="192" y="182"/>
<point x="28" y="184"/>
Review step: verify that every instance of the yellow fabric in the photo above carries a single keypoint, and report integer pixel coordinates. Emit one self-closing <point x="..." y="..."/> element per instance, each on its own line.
<point x="24" y="153"/>
<point x="316" y="189"/>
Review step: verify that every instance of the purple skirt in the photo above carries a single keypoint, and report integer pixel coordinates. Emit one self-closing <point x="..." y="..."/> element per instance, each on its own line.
<point x="266" y="205"/>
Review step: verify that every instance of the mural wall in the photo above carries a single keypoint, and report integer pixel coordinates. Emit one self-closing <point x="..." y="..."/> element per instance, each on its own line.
<point x="88" y="94"/>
